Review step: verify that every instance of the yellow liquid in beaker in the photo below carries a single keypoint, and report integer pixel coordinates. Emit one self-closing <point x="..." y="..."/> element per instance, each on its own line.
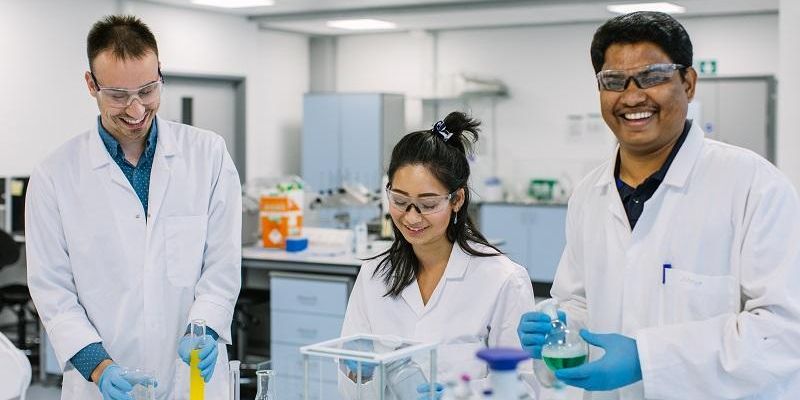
<point x="197" y="386"/>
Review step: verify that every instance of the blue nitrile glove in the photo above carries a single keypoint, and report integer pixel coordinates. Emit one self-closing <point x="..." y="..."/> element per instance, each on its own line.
<point x="532" y="328"/>
<point x="617" y="368"/>
<point x="367" y="368"/>
<point x="112" y="385"/>
<point x="425" y="389"/>
<point x="208" y="355"/>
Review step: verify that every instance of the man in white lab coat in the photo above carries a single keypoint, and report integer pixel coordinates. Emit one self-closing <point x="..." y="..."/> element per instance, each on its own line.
<point x="682" y="259"/>
<point x="133" y="231"/>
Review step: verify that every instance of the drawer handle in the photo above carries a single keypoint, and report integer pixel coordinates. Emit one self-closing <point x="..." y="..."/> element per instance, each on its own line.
<point x="307" y="300"/>
<point x="309" y="333"/>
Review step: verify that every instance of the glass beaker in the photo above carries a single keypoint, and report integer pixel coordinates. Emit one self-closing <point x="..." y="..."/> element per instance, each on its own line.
<point x="404" y="376"/>
<point x="143" y="382"/>
<point x="266" y="384"/>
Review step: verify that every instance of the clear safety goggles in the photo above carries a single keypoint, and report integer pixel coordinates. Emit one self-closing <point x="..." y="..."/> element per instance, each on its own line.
<point x="616" y="80"/>
<point x="122" y="98"/>
<point x="424" y="205"/>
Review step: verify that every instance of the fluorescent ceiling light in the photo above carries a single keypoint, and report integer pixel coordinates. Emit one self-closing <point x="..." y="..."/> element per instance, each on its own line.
<point x="664" y="7"/>
<point x="234" y="3"/>
<point x="361" y="24"/>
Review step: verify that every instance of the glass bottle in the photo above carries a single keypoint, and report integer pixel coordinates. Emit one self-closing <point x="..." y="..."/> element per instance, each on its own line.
<point x="266" y="384"/>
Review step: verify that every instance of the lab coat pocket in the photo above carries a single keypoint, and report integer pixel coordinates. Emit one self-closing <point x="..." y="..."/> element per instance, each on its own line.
<point x="185" y="240"/>
<point x="689" y="296"/>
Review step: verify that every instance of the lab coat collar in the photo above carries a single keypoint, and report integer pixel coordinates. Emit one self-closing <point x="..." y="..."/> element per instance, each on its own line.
<point x="681" y="167"/>
<point x="99" y="156"/>
<point x="456" y="268"/>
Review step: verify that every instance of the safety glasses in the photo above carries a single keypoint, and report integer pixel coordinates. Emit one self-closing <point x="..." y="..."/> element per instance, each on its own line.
<point x="616" y="80"/>
<point x="147" y="94"/>
<point x="423" y="205"/>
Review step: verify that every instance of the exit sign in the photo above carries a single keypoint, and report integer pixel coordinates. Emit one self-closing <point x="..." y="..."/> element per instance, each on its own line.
<point x="706" y="67"/>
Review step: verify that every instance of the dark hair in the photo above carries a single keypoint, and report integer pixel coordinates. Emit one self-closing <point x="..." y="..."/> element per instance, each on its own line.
<point x="446" y="159"/>
<point x="643" y="26"/>
<point x="125" y="35"/>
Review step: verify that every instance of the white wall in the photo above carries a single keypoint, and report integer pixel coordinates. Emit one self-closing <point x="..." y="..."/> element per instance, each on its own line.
<point x="45" y="57"/>
<point x="549" y="75"/>
<point x="789" y="91"/>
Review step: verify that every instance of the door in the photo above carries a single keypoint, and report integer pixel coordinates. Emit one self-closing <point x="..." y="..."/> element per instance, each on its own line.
<point x="738" y="111"/>
<point x="207" y="103"/>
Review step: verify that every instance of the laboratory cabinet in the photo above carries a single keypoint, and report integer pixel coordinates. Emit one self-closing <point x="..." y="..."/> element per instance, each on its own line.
<point x="348" y="137"/>
<point x="533" y="235"/>
<point x="305" y="309"/>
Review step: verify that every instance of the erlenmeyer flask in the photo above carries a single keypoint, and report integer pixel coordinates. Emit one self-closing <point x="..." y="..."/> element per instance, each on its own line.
<point x="266" y="384"/>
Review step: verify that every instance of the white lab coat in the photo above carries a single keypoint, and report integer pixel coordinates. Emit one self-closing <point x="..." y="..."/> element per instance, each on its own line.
<point x="98" y="270"/>
<point x="477" y="303"/>
<point x="724" y="321"/>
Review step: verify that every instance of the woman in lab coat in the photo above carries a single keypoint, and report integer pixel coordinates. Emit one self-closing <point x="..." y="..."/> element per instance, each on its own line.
<point x="440" y="281"/>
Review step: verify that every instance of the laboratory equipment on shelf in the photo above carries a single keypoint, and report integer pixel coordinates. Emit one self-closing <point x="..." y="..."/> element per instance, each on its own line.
<point x="143" y="382"/>
<point x="266" y="384"/>
<point x="563" y="347"/>
<point x="372" y="366"/>
<point x="197" y="385"/>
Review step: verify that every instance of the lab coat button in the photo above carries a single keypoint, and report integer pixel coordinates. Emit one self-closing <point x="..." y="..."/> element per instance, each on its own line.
<point x="138" y="216"/>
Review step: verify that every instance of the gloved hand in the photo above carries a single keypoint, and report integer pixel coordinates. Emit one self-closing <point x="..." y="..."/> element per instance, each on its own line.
<point x="367" y="368"/>
<point x="532" y="328"/>
<point x="112" y="385"/>
<point x="425" y="389"/>
<point x="208" y="355"/>
<point x="617" y="368"/>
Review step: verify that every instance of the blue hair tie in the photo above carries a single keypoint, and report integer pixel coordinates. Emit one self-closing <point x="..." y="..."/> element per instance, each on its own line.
<point x="441" y="129"/>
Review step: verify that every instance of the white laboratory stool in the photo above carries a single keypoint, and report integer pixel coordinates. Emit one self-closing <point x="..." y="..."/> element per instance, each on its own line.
<point x="15" y="371"/>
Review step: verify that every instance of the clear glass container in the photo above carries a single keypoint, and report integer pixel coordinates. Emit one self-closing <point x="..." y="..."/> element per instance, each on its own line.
<point x="266" y="384"/>
<point x="143" y="382"/>
<point x="404" y="376"/>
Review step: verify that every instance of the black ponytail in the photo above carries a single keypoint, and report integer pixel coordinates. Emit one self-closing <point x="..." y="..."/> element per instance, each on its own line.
<point x="444" y="150"/>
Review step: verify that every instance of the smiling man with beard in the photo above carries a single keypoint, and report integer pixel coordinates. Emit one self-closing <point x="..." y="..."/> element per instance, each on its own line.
<point x="682" y="253"/>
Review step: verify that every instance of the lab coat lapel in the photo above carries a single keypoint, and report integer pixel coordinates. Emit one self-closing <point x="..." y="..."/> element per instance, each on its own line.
<point x="161" y="172"/>
<point x="413" y="298"/>
<point x="455" y="270"/>
<point x="607" y="183"/>
<point x="100" y="158"/>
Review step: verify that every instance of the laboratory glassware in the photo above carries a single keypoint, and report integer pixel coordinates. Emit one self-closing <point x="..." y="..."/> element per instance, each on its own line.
<point x="404" y="376"/>
<point x="197" y="384"/>
<point x="143" y="382"/>
<point x="503" y="377"/>
<point x="266" y="384"/>
<point x="234" y="378"/>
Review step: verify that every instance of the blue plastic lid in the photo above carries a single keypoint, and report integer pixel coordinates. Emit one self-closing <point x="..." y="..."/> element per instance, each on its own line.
<point x="502" y="358"/>
<point x="296" y="244"/>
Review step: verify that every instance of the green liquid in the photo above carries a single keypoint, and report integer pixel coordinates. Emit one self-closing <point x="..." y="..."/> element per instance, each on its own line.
<point x="556" y="363"/>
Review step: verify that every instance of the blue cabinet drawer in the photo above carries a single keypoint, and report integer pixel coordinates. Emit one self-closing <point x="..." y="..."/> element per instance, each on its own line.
<point x="288" y="363"/>
<point x="308" y="296"/>
<point x="303" y="329"/>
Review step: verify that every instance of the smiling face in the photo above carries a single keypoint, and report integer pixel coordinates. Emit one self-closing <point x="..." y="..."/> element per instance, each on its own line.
<point x="645" y="120"/>
<point x="130" y="123"/>
<point x="417" y="181"/>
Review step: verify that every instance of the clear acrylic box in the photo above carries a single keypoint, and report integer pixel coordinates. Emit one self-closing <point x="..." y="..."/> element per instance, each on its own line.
<point x="367" y="367"/>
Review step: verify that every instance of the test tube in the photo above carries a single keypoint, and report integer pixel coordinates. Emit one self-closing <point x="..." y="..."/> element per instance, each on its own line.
<point x="234" y="371"/>
<point x="197" y="332"/>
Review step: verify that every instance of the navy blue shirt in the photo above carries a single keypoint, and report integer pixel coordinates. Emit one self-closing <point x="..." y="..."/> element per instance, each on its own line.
<point x="139" y="175"/>
<point x="633" y="199"/>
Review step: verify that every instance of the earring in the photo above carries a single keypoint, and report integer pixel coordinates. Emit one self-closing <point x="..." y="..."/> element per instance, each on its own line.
<point x="455" y="219"/>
